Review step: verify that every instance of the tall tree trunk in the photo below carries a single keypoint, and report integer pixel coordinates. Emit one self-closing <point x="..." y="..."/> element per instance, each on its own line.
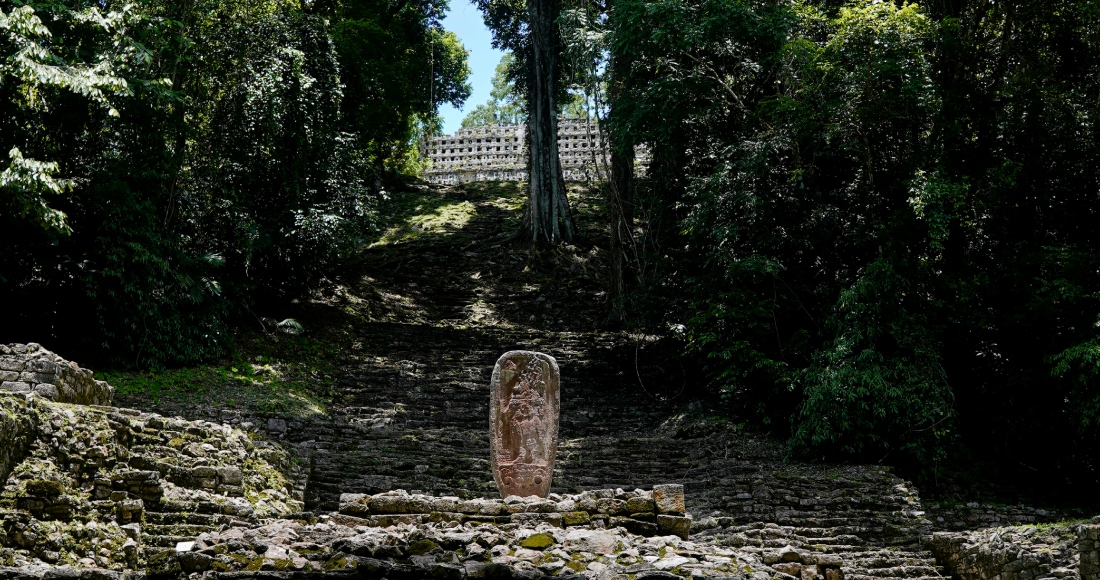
<point x="620" y="201"/>
<point x="550" y="220"/>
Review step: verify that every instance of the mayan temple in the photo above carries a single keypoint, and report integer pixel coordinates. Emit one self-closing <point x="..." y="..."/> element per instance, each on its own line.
<point x="499" y="153"/>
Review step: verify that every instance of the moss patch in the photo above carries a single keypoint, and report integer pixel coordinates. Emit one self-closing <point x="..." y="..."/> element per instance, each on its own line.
<point x="291" y="375"/>
<point x="538" y="541"/>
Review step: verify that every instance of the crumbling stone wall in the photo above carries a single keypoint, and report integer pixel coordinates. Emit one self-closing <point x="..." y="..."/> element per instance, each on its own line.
<point x="1088" y="548"/>
<point x="15" y="429"/>
<point x="1014" y="553"/>
<point x="972" y="515"/>
<point x="100" y="487"/>
<point x="30" y="368"/>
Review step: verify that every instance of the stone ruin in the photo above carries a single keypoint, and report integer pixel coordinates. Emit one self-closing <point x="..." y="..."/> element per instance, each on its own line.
<point x="499" y="153"/>
<point x="29" y="368"/>
<point x="103" y="493"/>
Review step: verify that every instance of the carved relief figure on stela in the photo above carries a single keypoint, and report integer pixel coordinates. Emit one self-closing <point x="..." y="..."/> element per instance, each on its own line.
<point x="524" y="421"/>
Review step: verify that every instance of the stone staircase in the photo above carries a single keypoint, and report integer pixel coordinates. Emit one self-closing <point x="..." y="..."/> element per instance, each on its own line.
<point x="411" y="411"/>
<point x="414" y="415"/>
<point x="793" y="549"/>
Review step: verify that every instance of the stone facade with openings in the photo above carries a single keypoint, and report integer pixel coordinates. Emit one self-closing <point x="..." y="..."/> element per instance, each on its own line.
<point x="499" y="153"/>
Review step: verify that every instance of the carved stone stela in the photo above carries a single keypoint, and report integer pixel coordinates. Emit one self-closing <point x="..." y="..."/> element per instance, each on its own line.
<point x="523" y="417"/>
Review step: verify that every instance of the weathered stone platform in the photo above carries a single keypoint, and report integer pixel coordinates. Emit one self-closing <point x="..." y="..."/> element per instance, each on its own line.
<point x="660" y="511"/>
<point x="100" y="487"/>
<point x="97" y="492"/>
<point x="29" y="368"/>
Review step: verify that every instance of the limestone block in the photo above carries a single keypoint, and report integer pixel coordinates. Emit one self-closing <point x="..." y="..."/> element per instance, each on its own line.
<point x="1088" y="545"/>
<point x="634" y="526"/>
<point x="445" y="517"/>
<point x="129" y="510"/>
<point x="44" y="487"/>
<point x="565" y="505"/>
<point x="615" y="507"/>
<point x="576" y="518"/>
<point x="468" y="506"/>
<point x="390" y="504"/>
<point x="669" y="499"/>
<point x="594" y="541"/>
<point x="445" y="504"/>
<point x="792" y="568"/>
<point x="43" y="366"/>
<point x="641" y="505"/>
<point x="46" y="390"/>
<point x="15" y="386"/>
<point x="539" y="541"/>
<point x="194" y="561"/>
<point x="674" y="525"/>
<point x="811" y="572"/>
<point x="230" y="475"/>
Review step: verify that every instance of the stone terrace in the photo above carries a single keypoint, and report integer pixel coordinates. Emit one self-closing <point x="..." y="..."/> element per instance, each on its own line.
<point x="411" y="413"/>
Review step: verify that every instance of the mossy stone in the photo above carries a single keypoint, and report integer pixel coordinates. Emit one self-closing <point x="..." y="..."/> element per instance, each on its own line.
<point x="538" y="541"/>
<point x="575" y="518"/>
<point x="340" y="562"/>
<point x="421" y="547"/>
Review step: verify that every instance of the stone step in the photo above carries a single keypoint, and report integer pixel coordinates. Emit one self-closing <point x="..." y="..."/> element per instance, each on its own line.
<point x="858" y="576"/>
<point x="187" y="518"/>
<point x="183" y="530"/>
<point x="164" y="541"/>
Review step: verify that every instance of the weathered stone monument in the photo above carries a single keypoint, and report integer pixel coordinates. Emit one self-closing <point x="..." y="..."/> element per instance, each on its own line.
<point x="523" y="418"/>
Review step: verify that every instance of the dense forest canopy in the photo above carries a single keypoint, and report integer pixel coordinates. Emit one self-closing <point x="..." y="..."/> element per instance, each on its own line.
<point x="873" y="222"/>
<point x="173" y="164"/>
<point x="877" y="220"/>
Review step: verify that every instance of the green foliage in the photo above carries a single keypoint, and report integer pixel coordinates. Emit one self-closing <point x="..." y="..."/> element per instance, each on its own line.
<point x="26" y="182"/>
<point x="175" y="166"/>
<point x="880" y="388"/>
<point x="397" y="66"/>
<point x="870" y="218"/>
<point x="36" y="67"/>
<point x="506" y="105"/>
<point x="1080" y="365"/>
<point x="292" y="375"/>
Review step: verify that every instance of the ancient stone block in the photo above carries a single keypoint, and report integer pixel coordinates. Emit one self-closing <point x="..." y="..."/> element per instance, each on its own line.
<point x="230" y="475"/>
<point x="15" y="386"/>
<point x="194" y="561"/>
<point x="1088" y="545"/>
<point x="669" y="499"/>
<point x="576" y="518"/>
<point x="445" y="504"/>
<point x="538" y="541"/>
<point x="442" y="517"/>
<point x="594" y="541"/>
<point x="43" y="366"/>
<point x="674" y="525"/>
<point x="44" y="487"/>
<point x="523" y="418"/>
<point x="390" y="504"/>
<point x="635" y="526"/>
<point x="792" y="568"/>
<point x="640" y="505"/>
<point x="46" y="390"/>
<point x="129" y="510"/>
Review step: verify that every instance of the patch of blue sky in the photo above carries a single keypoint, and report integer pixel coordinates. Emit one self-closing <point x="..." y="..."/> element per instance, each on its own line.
<point x="464" y="19"/>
